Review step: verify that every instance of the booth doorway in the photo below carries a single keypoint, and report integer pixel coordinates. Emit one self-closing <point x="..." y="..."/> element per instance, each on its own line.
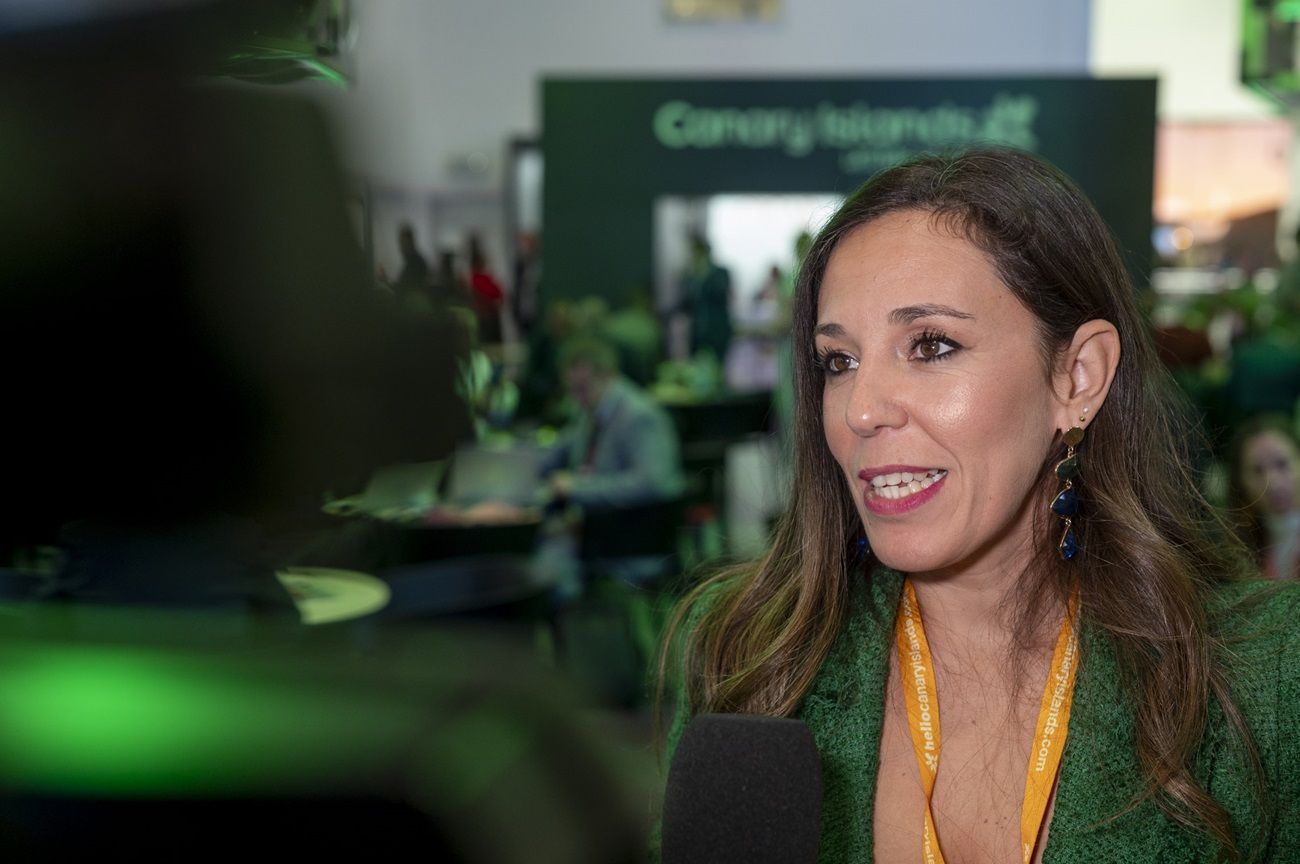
<point x="750" y="235"/>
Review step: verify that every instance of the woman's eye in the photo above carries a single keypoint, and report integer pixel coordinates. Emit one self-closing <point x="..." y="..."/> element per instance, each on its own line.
<point x="837" y="363"/>
<point x="933" y="347"/>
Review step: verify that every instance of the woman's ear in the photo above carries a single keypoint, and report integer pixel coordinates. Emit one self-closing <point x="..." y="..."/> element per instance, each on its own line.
<point x="1085" y="371"/>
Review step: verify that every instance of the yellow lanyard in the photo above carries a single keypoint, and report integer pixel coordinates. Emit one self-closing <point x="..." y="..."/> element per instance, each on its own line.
<point x="921" y="696"/>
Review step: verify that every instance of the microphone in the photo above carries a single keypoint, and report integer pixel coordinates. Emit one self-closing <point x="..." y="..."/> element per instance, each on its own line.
<point x="745" y="788"/>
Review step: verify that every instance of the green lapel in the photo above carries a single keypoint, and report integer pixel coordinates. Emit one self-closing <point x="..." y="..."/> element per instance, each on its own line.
<point x="845" y="711"/>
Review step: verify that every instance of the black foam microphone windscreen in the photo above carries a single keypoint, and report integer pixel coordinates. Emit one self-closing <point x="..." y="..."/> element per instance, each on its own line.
<point x="743" y="788"/>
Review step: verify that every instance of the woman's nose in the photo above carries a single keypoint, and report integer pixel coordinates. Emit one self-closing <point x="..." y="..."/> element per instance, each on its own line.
<point x="873" y="404"/>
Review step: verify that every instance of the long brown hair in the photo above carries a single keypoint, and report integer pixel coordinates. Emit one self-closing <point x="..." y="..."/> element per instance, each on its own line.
<point x="1151" y="545"/>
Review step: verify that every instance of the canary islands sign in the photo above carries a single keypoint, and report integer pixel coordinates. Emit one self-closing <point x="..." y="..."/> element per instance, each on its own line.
<point x="865" y="136"/>
<point x="612" y="147"/>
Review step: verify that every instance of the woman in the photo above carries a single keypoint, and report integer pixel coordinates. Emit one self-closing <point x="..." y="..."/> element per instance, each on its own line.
<point x="1264" y="491"/>
<point x="487" y="295"/>
<point x="967" y="321"/>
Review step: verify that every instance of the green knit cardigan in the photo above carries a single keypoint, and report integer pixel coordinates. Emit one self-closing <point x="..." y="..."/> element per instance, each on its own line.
<point x="1100" y="774"/>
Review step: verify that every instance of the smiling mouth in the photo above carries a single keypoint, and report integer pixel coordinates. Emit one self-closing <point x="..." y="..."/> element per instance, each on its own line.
<point x="904" y="484"/>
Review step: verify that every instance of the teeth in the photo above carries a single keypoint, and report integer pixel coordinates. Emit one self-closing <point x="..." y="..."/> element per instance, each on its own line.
<point x="905" y="483"/>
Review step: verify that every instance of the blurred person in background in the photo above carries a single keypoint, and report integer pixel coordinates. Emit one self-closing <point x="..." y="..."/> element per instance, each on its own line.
<point x="620" y="451"/>
<point x="635" y="333"/>
<point x="414" y="276"/>
<point x="706" y="297"/>
<point x="764" y="308"/>
<point x="195" y="354"/>
<point x="527" y="275"/>
<point x="485" y="292"/>
<point x="188" y="301"/>
<point x="585" y="316"/>
<point x="447" y="285"/>
<point x="622" y="448"/>
<point x="1264" y="493"/>
<point x="542" y="393"/>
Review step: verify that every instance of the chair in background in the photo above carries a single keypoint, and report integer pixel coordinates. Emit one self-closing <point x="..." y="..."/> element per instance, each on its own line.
<point x="631" y="566"/>
<point x="498" y="587"/>
<point x="409" y="543"/>
<point x="706" y="429"/>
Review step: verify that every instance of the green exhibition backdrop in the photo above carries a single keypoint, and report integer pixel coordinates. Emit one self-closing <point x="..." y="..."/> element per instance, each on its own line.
<point x="611" y="147"/>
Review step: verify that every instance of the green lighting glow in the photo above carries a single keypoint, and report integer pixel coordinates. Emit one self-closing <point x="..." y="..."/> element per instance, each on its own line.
<point x="101" y="715"/>
<point x="1287" y="10"/>
<point x="272" y="63"/>
<point x="138" y="723"/>
<point x="326" y="72"/>
<point x="1253" y="35"/>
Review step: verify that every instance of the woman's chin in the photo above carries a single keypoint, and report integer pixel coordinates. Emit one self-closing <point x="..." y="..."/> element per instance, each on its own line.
<point x="906" y="560"/>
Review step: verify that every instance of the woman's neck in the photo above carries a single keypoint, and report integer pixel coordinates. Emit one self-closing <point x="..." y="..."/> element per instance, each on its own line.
<point x="975" y="608"/>
<point x="974" y="605"/>
<point x="1280" y="525"/>
<point x="970" y="610"/>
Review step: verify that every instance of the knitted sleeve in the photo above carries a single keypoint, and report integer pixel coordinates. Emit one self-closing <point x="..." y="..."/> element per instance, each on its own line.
<point x="1286" y="767"/>
<point x="1265" y="643"/>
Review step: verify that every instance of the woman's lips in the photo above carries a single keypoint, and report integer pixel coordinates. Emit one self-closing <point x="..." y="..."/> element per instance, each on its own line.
<point x="895" y="489"/>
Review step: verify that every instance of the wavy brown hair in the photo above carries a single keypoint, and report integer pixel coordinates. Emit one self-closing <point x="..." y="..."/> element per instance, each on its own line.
<point x="1151" y="546"/>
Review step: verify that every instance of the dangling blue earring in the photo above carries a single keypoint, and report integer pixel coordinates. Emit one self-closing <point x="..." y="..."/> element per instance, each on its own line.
<point x="1066" y="503"/>
<point x="860" y="550"/>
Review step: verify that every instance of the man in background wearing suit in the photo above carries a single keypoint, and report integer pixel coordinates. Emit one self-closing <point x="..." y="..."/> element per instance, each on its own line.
<point x="622" y="451"/>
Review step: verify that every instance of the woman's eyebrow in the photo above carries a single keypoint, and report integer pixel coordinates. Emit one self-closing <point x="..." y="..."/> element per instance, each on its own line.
<point x="908" y="314"/>
<point x="830" y="329"/>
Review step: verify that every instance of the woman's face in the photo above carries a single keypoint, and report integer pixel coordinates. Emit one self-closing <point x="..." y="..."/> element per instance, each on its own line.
<point x="933" y="370"/>
<point x="1270" y="467"/>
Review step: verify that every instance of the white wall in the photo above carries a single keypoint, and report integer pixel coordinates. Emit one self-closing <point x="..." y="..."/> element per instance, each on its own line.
<point x="440" y="82"/>
<point x="1192" y="45"/>
<point x="441" y="85"/>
